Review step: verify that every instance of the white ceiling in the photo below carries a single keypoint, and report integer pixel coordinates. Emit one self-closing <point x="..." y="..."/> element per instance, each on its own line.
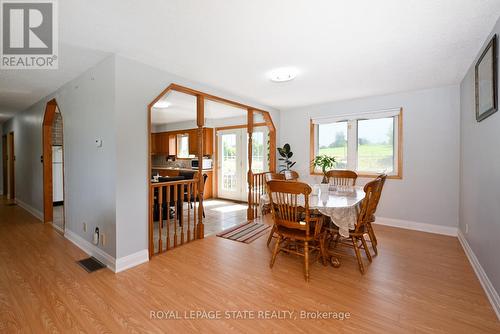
<point x="182" y="107"/>
<point x="344" y="49"/>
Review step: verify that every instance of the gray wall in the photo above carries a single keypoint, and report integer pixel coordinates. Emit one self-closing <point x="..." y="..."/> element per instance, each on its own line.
<point x="86" y="105"/>
<point x="480" y="178"/>
<point x="428" y="192"/>
<point x="136" y="86"/>
<point x="105" y="187"/>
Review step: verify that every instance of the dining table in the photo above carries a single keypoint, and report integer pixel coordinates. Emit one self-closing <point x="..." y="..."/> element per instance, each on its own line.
<point x="340" y="203"/>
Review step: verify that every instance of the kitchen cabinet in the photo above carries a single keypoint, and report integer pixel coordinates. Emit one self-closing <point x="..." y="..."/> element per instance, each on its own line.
<point x="208" y="190"/>
<point x="208" y="141"/>
<point x="193" y="141"/>
<point x="153" y="141"/>
<point x="166" y="142"/>
<point x="163" y="143"/>
<point x="172" y="144"/>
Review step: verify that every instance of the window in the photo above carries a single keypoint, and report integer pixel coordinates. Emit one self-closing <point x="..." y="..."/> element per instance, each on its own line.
<point x="183" y="146"/>
<point x="368" y="143"/>
<point x="332" y="138"/>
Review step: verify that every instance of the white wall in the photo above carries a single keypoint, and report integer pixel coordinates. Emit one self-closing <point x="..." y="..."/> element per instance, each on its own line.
<point x="210" y="123"/>
<point x="428" y="192"/>
<point x="136" y="86"/>
<point x="480" y="178"/>
<point x="86" y="105"/>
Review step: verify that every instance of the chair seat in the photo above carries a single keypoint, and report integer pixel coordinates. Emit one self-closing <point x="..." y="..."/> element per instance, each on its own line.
<point x="294" y="234"/>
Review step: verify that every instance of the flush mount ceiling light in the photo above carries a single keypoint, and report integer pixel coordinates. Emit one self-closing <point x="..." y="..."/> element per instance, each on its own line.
<point x="162" y="104"/>
<point x="283" y="74"/>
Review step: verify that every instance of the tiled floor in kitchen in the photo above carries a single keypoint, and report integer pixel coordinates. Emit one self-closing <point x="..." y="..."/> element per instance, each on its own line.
<point x="220" y="214"/>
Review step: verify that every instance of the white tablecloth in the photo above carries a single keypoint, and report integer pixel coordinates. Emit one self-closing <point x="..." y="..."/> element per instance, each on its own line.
<point x="342" y="206"/>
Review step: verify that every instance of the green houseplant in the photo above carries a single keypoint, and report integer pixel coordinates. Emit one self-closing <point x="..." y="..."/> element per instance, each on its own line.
<point x="285" y="154"/>
<point x="326" y="163"/>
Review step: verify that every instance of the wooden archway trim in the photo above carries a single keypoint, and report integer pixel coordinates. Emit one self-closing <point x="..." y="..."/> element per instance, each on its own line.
<point x="200" y="121"/>
<point x="48" y="119"/>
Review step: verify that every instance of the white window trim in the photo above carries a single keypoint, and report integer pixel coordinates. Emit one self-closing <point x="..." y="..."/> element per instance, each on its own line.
<point x="352" y="140"/>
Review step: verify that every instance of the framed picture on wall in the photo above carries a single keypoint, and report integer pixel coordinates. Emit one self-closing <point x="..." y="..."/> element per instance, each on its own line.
<point x="486" y="81"/>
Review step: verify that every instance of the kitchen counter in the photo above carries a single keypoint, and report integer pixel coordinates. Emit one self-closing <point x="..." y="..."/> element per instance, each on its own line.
<point x="175" y="171"/>
<point x="179" y="168"/>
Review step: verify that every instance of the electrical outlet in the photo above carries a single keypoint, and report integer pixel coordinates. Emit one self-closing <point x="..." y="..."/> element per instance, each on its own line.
<point x="466" y="228"/>
<point x="84" y="227"/>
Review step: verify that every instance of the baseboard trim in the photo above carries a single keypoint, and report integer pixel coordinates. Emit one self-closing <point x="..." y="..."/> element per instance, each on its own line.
<point x="37" y="214"/>
<point x="132" y="260"/>
<point x="91" y="249"/>
<point x="488" y="288"/>
<point x="416" y="226"/>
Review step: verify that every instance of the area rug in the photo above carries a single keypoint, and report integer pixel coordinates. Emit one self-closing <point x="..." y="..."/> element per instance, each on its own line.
<point x="246" y="232"/>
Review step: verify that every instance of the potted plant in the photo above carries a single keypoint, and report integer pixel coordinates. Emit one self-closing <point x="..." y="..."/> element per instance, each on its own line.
<point x="326" y="163"/>
<point x="285" y="154"/>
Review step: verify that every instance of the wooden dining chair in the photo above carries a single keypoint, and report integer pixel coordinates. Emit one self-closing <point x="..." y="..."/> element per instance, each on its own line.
<point x="357" y="236"/>
<point x="266" y="208"/>
<point x="342" y="177"/>
<point x="287" y="211"/>
<point x="270" y="176"/>
<point x="291" y="175"/>
<point x="371" y="231"/>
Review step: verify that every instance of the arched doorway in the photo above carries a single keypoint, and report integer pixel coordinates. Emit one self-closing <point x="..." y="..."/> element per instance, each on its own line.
<point x="53" y="166"/>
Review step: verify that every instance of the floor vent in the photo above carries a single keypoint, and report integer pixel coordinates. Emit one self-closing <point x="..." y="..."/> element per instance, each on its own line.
<point x="91" y="264"/>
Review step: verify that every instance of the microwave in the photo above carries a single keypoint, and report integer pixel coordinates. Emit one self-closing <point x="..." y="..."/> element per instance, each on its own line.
<point x="207" y="164"/>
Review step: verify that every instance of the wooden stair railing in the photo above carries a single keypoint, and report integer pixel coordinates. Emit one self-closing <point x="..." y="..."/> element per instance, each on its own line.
<point x="257" y="188"/>
<point x="173" y="218"/>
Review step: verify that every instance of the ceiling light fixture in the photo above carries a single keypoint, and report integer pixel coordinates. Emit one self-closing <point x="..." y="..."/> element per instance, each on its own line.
<point x="283" y="74"/>
<point x="162" y="104"/>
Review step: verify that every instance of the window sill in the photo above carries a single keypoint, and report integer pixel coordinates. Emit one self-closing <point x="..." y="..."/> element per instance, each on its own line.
<point x="367" y="175"/>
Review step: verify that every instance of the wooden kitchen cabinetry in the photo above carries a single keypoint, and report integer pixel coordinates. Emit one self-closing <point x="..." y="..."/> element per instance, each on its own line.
<point x="163" y="143"/>
<point x="208" y="141"/>
<point x="209" y="185"/>
<point x="166" y="142"/>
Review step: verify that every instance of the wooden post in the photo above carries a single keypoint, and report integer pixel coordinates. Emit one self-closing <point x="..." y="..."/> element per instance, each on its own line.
<point x="272" y="141"/>
<point x="200" y="121"/>
<point x="151" y="222"/>
<point x="250" y="215"/>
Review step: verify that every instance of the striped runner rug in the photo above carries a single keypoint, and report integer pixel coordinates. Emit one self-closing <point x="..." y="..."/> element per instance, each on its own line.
<point x="246" y="232"/>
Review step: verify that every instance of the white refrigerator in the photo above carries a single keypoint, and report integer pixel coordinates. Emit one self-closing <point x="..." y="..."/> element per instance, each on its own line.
<point x="57" y="174"/>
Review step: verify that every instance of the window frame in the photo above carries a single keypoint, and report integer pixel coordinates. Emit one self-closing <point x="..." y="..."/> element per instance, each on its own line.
<point x="352" y="140"/>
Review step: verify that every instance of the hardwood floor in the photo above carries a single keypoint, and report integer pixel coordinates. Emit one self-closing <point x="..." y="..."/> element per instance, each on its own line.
<point x="420" y="282"/>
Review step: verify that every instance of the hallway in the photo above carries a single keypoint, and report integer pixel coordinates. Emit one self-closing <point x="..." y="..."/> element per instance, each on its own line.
<point x="42" y="289"/>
